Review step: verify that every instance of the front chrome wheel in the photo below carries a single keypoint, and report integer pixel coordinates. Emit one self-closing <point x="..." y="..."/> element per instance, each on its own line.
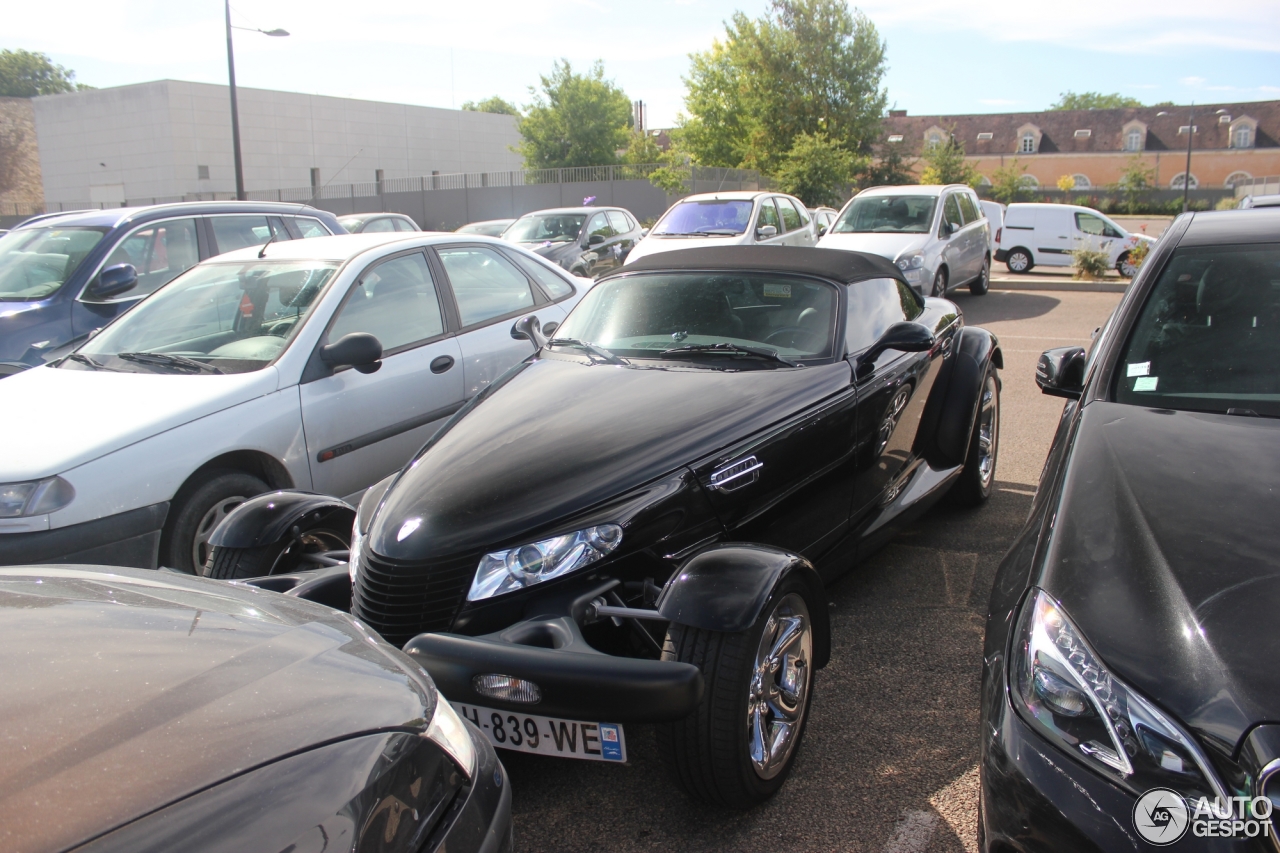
<point x="988" y="431"/>
<point x="779" y="687"/>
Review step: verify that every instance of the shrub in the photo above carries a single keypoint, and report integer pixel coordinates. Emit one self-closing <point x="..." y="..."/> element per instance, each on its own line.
<point x="1225" y="204"/>
<point x="1138" y="254"/>
<point x="1090" y="263"/>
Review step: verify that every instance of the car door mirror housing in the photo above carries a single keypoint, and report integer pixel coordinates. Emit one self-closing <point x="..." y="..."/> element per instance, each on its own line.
<point x="113" y="281"/>
<point x="952" y="228"/>
<point x="595" y="239"/>
<point x="530" y="329"/>
<point x="360" y="350"/>
<point x="822" y="230"/>
<point x="1060" y="372"/>
<point x="764" y="232"/>
<point x="904" y="337"/>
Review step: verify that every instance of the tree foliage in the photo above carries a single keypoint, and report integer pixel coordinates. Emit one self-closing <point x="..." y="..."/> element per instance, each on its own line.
<point x="1093" y="101"/>
<point x="945" y="164"/>
<point x="25" y="74"/>
<point x="494" y="104"/>
<point x="818" y="170"/>
<point x="574" y="120"/>
<point x="807" y="67"/>
<point x="1136" y="181"/>
<point x="890" y="168"/>
<point x="1007" y="183"/>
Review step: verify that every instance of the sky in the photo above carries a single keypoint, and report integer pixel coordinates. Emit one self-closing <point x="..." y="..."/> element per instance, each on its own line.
<point x="944" y="56"/>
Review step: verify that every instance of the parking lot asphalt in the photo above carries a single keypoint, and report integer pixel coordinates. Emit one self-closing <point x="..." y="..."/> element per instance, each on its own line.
<point x="889" y="760"/>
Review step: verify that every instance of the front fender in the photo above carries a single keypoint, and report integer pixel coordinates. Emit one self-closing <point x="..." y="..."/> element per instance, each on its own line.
<point x="957" y="402"/>
<point x="266" y="519"/>
<point x="726" y="586"/>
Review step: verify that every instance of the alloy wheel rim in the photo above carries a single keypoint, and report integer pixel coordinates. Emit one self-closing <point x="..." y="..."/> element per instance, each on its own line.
<point x="309" y="543"/>
<point x="1018" y="262"/>
<point x="939" y="285"/>
<point x="777" y="696"/>
<point x="988" y="432"/>
<point x="208" y="523"/>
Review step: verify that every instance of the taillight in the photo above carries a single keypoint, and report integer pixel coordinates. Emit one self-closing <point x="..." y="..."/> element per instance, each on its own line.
<point x="999" y="231"/>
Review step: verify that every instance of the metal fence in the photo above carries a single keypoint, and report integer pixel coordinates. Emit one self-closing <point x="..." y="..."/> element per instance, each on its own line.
<point x="1269" y="185"/>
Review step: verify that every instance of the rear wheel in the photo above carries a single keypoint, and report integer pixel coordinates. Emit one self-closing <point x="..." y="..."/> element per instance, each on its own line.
<point x="738" y="747"/>
<point x="197" y="509"/>
<point x="980" y="284"/>
<point x="978" y="477"/>
<point x="292" y="554"/>
<point x="1019" y="260"/>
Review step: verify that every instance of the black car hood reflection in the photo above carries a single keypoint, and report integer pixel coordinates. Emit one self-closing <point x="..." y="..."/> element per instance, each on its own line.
<point x="562" y="435"/>
<point x="1166" y="557"/>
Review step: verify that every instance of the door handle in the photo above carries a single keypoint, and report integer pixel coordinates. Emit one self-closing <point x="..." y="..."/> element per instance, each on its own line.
<point x="441" y="363"/>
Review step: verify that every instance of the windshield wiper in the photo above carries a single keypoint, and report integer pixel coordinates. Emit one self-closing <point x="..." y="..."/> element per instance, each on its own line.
<point x="598" y="352"/>
<point x="727" y="349"/>
<point x="168" y="359"/>
<point x="84" y="359"/>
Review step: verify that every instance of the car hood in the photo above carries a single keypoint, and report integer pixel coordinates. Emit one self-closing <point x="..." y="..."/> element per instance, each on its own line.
<point x="1166" y="555"/>
<point x="559" y="435"/>
<point x="889" y="246"/>
<point x="653" y="244"/>
<point x="75" y="416"/>
<point x="127" y="689"/>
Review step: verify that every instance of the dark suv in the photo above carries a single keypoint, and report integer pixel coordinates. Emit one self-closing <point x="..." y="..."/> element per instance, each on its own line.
<point x="64" y="275"/>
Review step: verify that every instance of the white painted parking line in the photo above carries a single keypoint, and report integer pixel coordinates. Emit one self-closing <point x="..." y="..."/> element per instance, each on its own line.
<point x="913" y="833"/>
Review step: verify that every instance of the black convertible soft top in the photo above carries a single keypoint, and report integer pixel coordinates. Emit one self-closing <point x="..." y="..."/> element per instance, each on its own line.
<point x="832" y="264"/>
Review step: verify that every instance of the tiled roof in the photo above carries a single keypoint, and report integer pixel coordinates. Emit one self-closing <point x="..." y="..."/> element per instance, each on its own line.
<point x="1106" y="128"/>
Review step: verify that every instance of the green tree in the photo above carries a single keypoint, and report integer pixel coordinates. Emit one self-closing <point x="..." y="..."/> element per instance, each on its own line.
<point x="25" y="74"/>
<point x="1136" y="181"/>
<point x="1093" y="101"/>
<point x="890" y="169"/>
<point x="641" y="149"/>
<point x="575" y="120"/>
<point x="492" y="105"/>
<point x="1008" y="183"/>
<point x="945" y="164"/>
<point x="818" y="170"/>
<point x="806" y="67"/>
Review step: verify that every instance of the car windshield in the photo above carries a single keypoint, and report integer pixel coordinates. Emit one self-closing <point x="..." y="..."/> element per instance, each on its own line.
<point x="546" y="227"/>
<point x="233" y="318"/>
<point x="711" y="217"/>
<point x="1208" y="338"/>
<point x="887" y="214"/>
<point x="34" y="262"/>
<point x="643" y="315"/>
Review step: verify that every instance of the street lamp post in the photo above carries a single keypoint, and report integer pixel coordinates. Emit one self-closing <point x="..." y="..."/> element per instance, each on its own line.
<point x="1186" y="174"/>
<point x="235" y="108"/>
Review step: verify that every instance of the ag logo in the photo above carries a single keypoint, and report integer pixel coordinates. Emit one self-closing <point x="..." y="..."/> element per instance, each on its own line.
<point x="1160" y="816"/>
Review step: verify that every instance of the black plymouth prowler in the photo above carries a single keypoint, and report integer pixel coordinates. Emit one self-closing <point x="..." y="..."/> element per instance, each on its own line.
<point x="636" y="523"/>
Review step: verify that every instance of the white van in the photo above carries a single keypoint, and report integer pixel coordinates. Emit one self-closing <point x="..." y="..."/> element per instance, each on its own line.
<point x="1046" y="234"/>
<point x="994" y="212"/>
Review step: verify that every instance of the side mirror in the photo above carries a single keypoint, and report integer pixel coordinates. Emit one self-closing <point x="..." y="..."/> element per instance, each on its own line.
<point x="595" y="239"/>
<point x="529" y="329"/>
<point x="113" y="281"/>
<point x="1060" y="372"/>
<point x="764" y="232"/>
<point x="360" y="350"/>
<point x="822" y="230"/>
<point x="952" y="228"/>
<point x="904" y="337"/>
<point x="550" y="329"/>
<point x="644" y="232"/>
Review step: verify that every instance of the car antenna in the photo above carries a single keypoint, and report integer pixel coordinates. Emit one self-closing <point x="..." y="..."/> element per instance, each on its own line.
<point x="315" y="195"/>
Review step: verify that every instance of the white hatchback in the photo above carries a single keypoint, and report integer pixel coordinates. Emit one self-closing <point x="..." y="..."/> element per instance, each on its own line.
<point x="318" y="364"/>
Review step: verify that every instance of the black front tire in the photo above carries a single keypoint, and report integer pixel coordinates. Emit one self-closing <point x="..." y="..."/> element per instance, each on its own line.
<point x="1125" y="267"/>
<point x="710" y="751"/>
<point x="287" y="555"/>
<point x="1019" y="261"/>
<point x="939" y="283"/>
<point x="980" y="285"/>
<point x="197" y="509"/>
<point x="978" y="477"/>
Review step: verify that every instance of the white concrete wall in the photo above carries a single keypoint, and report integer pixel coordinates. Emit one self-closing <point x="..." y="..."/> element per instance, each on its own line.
<point x="154" y="136"/>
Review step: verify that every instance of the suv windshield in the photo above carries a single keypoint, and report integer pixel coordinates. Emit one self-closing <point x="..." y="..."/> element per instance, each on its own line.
<point x="34" y="262"/>
<point x="706" y="218"/>
<point x="887" y="214"/>
<point x="643" y="315"/>
<point x="1208" y="338"/>
<point x="546" y="227"/>
<point x="233" y="318"/>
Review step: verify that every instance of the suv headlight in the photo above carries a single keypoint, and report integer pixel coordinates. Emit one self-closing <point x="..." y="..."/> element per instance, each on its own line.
<point x="518" y="568"/>
<point x="39" y="497"/>
<point x="1068" y="695"/>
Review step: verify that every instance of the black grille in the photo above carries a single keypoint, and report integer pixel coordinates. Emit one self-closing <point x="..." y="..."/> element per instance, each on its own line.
<point x="402" y="600"/>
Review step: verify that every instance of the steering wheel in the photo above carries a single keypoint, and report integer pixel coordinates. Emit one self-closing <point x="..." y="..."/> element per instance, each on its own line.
<point x="793" y="331"/>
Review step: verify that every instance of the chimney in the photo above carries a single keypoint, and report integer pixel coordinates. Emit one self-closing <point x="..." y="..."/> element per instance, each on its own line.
<point x="897" y="113"/>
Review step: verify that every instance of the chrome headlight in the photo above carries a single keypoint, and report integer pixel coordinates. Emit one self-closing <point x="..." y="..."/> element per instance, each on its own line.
<point x="446" y="729"/>
<point x="507" y="571"/>
<point x="1069" y="696"/>
<point x="39" y="497"/>
<point x="912" y="262"/>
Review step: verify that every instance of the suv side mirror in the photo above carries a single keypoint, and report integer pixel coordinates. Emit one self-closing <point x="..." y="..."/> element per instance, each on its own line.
<point x="595" y="239"/>
<point x="952" y="228"/>
<point x="822" y="230"/>
<point x="530" y="329"/>
<point x="904" y="337"/>
<point x="360" y="350"/>
<point x="1060" y="372"/>
<point x="764" y="232"/>
<point x="113" y="281"/>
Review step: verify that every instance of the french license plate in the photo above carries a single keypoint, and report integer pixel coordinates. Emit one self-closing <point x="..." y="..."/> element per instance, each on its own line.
<point x="548" y="735"/>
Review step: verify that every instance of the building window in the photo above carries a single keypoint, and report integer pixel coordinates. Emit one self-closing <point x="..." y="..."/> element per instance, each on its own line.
<point x="1082" y="182"/>
<point x="933" y="139"/>
<point x="897" y="137"/>
<point x="1080" y="134"/>
<point x="1028" y="145"/>
<point x="202" y="173"/>
<point x="1224" y="119"/>
<point x="984" y="181"/>
<point x="1133" y="140"/>
<point x="1029" y="181"/>
<point x="985" y="135"/>
<point x="1180" y="178"/>
<point x="1235" y="179"/>
<point x="1242" y="137"/>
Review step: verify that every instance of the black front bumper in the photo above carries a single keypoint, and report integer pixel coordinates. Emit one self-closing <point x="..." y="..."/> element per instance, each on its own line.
<point x="128" y="539"/>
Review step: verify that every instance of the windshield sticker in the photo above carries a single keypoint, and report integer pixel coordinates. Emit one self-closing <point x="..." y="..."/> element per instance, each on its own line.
<point x="777" y="291"/>
<point x="1145" y="383"/>
<point x="1141" y="368"/>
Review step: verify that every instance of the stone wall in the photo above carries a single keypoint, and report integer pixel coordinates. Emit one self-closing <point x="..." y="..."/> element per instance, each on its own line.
<point x="20" y="181"/>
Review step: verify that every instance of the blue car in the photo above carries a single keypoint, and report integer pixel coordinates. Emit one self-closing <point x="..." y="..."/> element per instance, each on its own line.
<point x="63" y="275"/>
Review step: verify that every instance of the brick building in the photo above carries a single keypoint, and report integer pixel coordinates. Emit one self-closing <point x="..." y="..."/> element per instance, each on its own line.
<point x="1231" y="142"/>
